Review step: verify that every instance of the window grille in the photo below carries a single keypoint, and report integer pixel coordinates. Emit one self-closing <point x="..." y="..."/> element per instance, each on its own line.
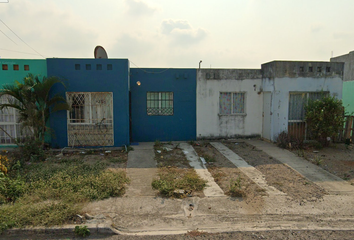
<point x="9" y="118"/>
<point x="90" y="121"/>
<point x="159" y="103"/>
<point x="231" y="103"/>
<point x="296" y="116"/>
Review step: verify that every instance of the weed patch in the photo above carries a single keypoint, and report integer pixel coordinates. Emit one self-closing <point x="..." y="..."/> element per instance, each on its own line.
<point x="173" y="178"/>
<point x="53" y="192"/>
<point x="235" y="188"/>
<point x="81" y="231"/>
<point x="318" y="160"/>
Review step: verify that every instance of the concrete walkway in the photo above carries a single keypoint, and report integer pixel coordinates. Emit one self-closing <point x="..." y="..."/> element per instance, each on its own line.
<point x="319" y="176"/>
<point x="141" y="169"/>
<point x="255" y="175"/>
<point x="212" y="189"/>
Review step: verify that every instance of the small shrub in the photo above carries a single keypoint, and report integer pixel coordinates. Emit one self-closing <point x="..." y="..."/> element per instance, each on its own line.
<point x="318" y="160"/>
<point x="32" y="151"/>
<point x="81" y="231"/>
<point x="11" y="189"/>
<point x="283" y="140"/>
<point x="165" y="187"/>
<point x="235" y="188"/>
<point x="173" y="178"/>
<point x="324" y="118"/>
<point x="4" y="162"/>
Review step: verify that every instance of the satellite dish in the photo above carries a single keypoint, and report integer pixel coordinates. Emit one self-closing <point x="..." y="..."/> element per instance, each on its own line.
<point x="100" y="52"/>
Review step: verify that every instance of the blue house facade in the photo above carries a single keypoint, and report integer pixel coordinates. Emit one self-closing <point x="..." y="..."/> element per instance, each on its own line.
<point x="114" y="105"/>
<point x="98" y="92"/>
<point x="163" y="104"/>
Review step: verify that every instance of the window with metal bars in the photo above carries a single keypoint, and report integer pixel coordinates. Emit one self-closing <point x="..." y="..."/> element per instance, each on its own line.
<point x="297" y="127"/>
<point x="159" y="103"/>
<point x="297" y="102"/>
<point x="90" y="121"/>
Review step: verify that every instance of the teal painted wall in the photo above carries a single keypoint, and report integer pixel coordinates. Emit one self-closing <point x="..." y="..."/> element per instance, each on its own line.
<point x="36" y="67"/>
<point x="348" y="97"/>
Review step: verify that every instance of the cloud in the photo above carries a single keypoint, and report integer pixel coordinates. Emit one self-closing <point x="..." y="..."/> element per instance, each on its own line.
<point x="342" y="35"/>
<point x="131" y="45"/>
<point x="139" y="8"/>
<point x="168" y="26"/>
<point x="316" y="28"/>
<point x="181" y="32"/>
<point x="50" y="30"/>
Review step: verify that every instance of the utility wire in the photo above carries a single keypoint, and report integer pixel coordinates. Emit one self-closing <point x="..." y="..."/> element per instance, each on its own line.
<point x="148" y="71"/>
<point x="8" y="37"/>
<point x="18" y="51"/>
<point x="21" y="39"/>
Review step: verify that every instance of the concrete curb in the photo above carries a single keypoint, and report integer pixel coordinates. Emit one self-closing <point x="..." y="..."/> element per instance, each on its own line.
<point x="95" y="229"/>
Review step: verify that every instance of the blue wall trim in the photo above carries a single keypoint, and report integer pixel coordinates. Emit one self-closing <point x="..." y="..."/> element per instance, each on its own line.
<point x="77" y="78"/>
<point x="179" y="127"/>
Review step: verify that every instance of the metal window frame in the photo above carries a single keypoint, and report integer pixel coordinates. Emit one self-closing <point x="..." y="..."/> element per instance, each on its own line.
<point x="159" y="100"/>
<point x="90" y="120"/>
<point x="232" y="104"/>
<point x="11" y="123"/>
<point x="307" y="98"/>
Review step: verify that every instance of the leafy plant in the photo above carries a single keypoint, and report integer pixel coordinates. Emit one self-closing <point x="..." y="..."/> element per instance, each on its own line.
<point x="318" y="160"/>
<point x="81" y="231"/>
<point x="11" y="189"/>
<point x="32" y="151"/>
<point x="235" y="188"/>
<point x="324" y="118"/>
<point x="31" y="98"/>
<point x="4" y="161"/>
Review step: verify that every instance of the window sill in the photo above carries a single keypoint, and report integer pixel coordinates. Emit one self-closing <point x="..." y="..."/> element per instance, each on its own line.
<point x="234" y="114"/>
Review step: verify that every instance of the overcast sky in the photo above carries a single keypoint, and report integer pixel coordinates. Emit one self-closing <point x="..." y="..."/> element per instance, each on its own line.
<point x="179" y="33"/>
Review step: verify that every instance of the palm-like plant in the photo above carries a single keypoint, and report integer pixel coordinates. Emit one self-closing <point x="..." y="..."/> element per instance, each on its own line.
<point x="33" y="102"/>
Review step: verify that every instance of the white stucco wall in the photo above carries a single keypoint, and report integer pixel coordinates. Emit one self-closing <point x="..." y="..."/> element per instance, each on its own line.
<point x="281" y="87"/>
<point x="212" y="125"/>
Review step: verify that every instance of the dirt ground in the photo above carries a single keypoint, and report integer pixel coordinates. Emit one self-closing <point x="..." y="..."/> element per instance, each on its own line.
<point x="225" y="173"/>
<point x="115" y="159"/>
<point x="277" y="174"/>
<point x="337" y="159"/>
